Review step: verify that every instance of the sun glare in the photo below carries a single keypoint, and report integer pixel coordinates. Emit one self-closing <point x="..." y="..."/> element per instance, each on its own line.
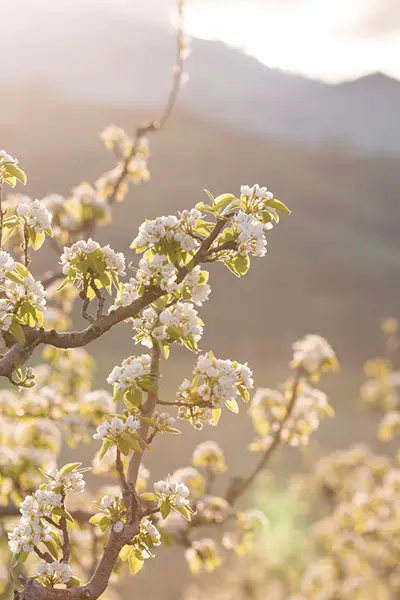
<point x="311" y="38"/>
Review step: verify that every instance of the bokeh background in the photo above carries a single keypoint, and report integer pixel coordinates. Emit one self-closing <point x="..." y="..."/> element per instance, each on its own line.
<point x="298" y="95"/>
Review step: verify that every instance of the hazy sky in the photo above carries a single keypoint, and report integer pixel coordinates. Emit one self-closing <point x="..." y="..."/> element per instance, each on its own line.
<point x="329" y="39"/>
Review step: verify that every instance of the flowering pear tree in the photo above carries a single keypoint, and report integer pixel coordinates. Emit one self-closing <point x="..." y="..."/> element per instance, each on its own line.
<point x="58" y="548"/>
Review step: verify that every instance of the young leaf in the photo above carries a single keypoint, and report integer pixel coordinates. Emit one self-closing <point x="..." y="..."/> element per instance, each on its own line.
<point x="69" y="468"/>
<point x="18" y="173"/>
<point x="17" y="332"/>
<point x="149" y="496"/>
<point x="125" y="552"/>
<point x="105" y="446"/>
<point x="52" y="548"/>
<point x="135" y="564"/>
<point x="99" y="519"/>
<point x="61" y="512"/>
<point x="232" y="405"/>
<point x="165" y="509"/>
<point x="74" y="582"/>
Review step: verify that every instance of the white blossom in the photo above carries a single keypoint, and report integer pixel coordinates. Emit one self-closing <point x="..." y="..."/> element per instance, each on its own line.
<point x="7" y="159"/>
<point x="35" y="215"/>
<point x="116" y="427"/>
<point x="130" y="370"/>
<point x="55" y="572"/>
<point x="312" y="353"/>
<point x="176" y="494"/>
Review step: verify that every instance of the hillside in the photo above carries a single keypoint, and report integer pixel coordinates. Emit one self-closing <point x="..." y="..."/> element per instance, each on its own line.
<point x="100" y="53"/>
<point x="332" y="267"/>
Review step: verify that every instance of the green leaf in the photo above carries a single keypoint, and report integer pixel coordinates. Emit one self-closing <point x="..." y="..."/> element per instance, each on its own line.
<point x="171" y="430"/>
<point x="117" y="394"/>
<point x="135" y="563"/>
<point x="216" y="415"/>
<point x="210" y="196"/>
<point x="14" y="277"/>
<point x="165" y="509"/>
<point x="125" y="552"/>
<point x="17" y="332"/>
<point x="164" y="348"/>
<point x="124" y="446"/>
<point x="100" y="519"/>
<point x="244" y="392"/>
<point x="223" y="200"/>
<point x="61" y="512"/>
<point x="232" y="405"/>
<point x="133" y="397"/>
<point x="9" y="179"/>
<point x="74" y="582"/>
<point x="132" y="442"/>
<point x="149" y="496"/>
<point x="239" y="265"/>
<point x="22" y="270"/>
<point x="37" y="239"/>
<point x="69" y="468"/>
<point x="17" y="173"/>
<point x="278" y="205"/>
<point x="184" y="512"/>
<point x="63" y="284"/>
<point x="52" y="548"/>
<point x="107" y="443"/>
<point x="20" y="558"/>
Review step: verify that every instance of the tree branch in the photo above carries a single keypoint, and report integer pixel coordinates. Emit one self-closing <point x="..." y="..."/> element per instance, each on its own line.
<point x="18" y="355"/>
<point x="239" y="486"/>
<point x="148" y="409"/>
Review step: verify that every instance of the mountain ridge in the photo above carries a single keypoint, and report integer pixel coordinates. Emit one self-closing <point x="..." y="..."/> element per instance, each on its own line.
<point x="110" y="56"/>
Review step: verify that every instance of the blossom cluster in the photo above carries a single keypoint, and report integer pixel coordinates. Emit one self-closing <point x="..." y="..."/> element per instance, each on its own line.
<point x="273" y="411"/>
<point x="203" y="554"/>
<point x="179" y="322"/>
<point x="28" y="290"/>
<point x="7" y="263"/>
<point x="130" y="372"/>
<point x="209" y="455"/>
<point x="35" y="214"/>
<point x="175" y="231"/>
<point x="32" y="528"/>
<point x="85" y="257"/>
<point x="251" y="238"/>
<point x="157" y="270"/>
<point x="314" y="355"/>
<point x="195" y="287"/>
<point x="116" y="427"/>
<point x="192" y="479"/>
<point x="247" y="524"/>
<point x="216" y="383"/>
<point x="50" y="574"/>
<point x="141" y="546"/>
<point x="175" y="494"/>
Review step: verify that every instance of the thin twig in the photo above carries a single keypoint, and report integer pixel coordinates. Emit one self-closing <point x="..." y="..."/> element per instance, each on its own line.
<point x="157" y="124"/>
<point x="148" y="409"/>
<point x="238" y="487"/>
<point x="64" y="529"/>
<point x="43" y="555"/>
<point x="53" y="523"/>
<point x="101" y="299"/>
<point x="120" y="469"/>
<point x="86" y="301"/>
<point x="27" y="260"/>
